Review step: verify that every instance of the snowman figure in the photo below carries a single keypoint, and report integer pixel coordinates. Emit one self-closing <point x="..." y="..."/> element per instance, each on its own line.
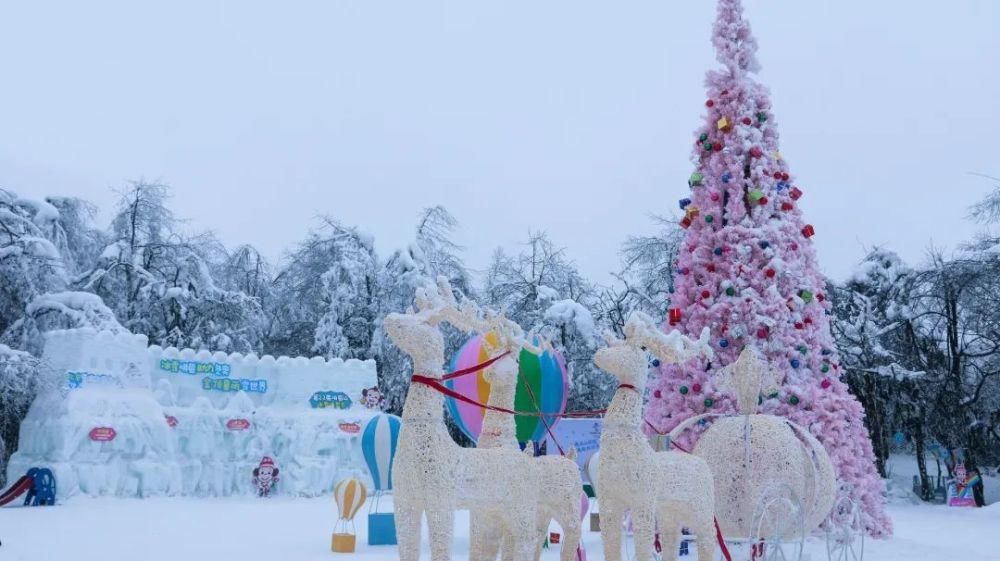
<point x="265" y="476"/>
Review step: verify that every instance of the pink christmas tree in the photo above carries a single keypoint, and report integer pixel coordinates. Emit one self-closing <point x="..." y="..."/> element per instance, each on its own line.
<point x="748" y="271"/>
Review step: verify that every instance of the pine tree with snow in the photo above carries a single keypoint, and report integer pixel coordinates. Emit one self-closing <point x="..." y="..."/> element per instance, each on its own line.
<point x="748" y="271"/>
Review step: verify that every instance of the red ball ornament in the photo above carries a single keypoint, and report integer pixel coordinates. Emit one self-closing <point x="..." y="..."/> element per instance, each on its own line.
<point x="657" y="394"/>
<point x="786" y="206"/>
<point x="784" y="177"/>
<point x="717" y="147"/>
<point x="762" y="201"/>
<point x="825" y="384"/>
<point x="808" y="231"/>
<point x="762" y="332"/>
<point x="770" y="273"/>
<point x="696" y="388"/>
<point x="796" y="193"/>
<point x="799" y="325"/>
<point x="710" y="103"/>
<point x="756" y="152"/>
<point x="820" y="297"/>
<point x="794" y="246"/>
<point x="711" y="267"/>
<point x="747" y="121"/>
<point x="809" y="320"/>
<point x="777" y="175"/>
<point x="706" y="294"/>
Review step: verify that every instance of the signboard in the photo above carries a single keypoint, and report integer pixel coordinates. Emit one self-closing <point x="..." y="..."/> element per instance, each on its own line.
<point x="102" y="434"/>
<point x="193" y="367"/>
<point x="350" y="428"/>
<point x="960" y="490"/>
<point x="336" y="400"/>
<point x="237" y="424"/>
<point x="233" y="385"/>
<point x="77" y="379"/>
<point x="582" y="434"/>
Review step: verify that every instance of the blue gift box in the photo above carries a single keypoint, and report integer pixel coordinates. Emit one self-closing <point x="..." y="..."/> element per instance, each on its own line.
<point x="381" y="528"/>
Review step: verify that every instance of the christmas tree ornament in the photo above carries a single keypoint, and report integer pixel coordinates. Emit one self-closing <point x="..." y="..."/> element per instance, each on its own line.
<point x="714" y="196"/>
<point x="756" y="152"/>
<point x="727" y="177"/>
<point x="675" y="316"/>
<point x="755" y="195"/>
<point x="691" y="212"/>
<point x="808" y="231"/>
<point x="795" y="193"/>
<point x="685" y="223"/>
<point x="683" y="390"/>
<point x="710" y="103"/>
<point x="703" y="137"/>
<point x="717" y="146"/>
<point x="730" y="291"/>
<point x="710" y="267"/>
<point x="762" y="201"/>
<point x="826" y="383"/>
<point x="824" y="368"/>
<point x="795" y="363"/>
<point x="793" y="400"/>
<point x="762" y="332"/>
<point x="684" y="203"/>
<point x="709" y="402"/>
<point x="706" y="294"/>
<point x="717" y="251"/>
<point x="707" y="145"/>
<point x="657" y="394"/>
<point x="770" y="273"/>
<point x="761" y="117"/>
<point x="747" y="121"/>
<point x="806" y="296"/>
<point x="724" y="125"/>
<point x="696" y="179"/>
<point x="696" y="388"/>
<point x="787" y="206"/>
<point x="723" y="343"/>
<point x="709" y="218"/>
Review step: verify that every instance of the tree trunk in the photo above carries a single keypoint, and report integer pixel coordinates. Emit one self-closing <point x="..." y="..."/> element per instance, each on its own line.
<point x="918" y="440"/>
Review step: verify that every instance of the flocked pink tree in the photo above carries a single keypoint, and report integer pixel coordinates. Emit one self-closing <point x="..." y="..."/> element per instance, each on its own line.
<point x="748" y="271"/>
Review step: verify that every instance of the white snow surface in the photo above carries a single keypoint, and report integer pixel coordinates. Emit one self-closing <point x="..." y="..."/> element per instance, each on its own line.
<point x="249" y="529"/>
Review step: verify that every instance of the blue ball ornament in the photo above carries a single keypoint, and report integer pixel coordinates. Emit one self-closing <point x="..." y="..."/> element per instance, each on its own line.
<point x="656" y="363"/>
<point x="718" y="251"/>
<point x="764" y="244"/>
<point x="726" y="177"/>
<point x="723" y="343"/>
<point x="795" y="363"/>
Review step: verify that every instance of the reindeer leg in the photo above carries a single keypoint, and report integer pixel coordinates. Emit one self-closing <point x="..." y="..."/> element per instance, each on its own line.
<point x="612" y="513"/>
<point x="408" y="530"/>
<point x="644" y="527"/>
<point x="441" y="525"/>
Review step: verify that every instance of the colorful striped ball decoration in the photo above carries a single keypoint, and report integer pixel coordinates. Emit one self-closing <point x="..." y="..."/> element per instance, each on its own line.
<point x="544" y="374"/>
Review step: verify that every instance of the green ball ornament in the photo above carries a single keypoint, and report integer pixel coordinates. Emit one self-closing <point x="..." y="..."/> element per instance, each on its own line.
<point x="707" y="146"/>
<point x="703" y="137"/>
<point x="683" y="390"/>
<point x="825" y="368"/>
<point x="794" y="400"/>
<point x="709" y="402"/>
<point x="730" y="291"/>
<point x="709" y="218"/>
<point x="804" y="350"/>
<point x="762" y="117"/>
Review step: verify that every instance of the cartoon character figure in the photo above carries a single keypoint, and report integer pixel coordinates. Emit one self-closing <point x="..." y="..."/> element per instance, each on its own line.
<point x="265" y="476"/>
<point x="372" y="398"/>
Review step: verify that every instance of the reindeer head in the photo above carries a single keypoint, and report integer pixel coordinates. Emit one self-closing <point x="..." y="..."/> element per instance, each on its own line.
<point x="624" y="360"/>
<point x="416" y="332"/>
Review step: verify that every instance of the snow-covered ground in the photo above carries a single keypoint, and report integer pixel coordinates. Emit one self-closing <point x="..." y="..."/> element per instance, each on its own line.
<point x="244" y="529"/>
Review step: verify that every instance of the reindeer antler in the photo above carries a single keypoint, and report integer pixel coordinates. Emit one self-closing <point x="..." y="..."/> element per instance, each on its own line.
<point x="670" y="348"/>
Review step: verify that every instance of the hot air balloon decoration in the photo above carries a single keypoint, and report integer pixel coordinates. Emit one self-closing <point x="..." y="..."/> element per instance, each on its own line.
<point x="542" y="385"/>
<point x="349" y="495"/>
<point x="378" y="445"/>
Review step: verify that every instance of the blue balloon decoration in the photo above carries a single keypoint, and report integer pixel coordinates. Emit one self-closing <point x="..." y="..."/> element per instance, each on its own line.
<point x="378" y="444"/>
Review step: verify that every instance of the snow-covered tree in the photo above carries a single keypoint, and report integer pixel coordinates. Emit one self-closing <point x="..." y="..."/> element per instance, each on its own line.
<point x="159" y="281"/>
<point x="18" y="376"/>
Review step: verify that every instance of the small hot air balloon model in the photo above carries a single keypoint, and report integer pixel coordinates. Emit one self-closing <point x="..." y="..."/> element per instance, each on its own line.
<point x="349" y="495"/>
<point x="378" y="445"/>
<point x="591" y="470"/>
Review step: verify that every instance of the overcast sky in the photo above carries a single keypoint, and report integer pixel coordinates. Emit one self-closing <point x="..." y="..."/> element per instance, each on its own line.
<point x="566" y="116"/>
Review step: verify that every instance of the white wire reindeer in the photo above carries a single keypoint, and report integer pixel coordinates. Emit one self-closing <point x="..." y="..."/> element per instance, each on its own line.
<point x="432" y="475"/>
<point x="671" y="488"/>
